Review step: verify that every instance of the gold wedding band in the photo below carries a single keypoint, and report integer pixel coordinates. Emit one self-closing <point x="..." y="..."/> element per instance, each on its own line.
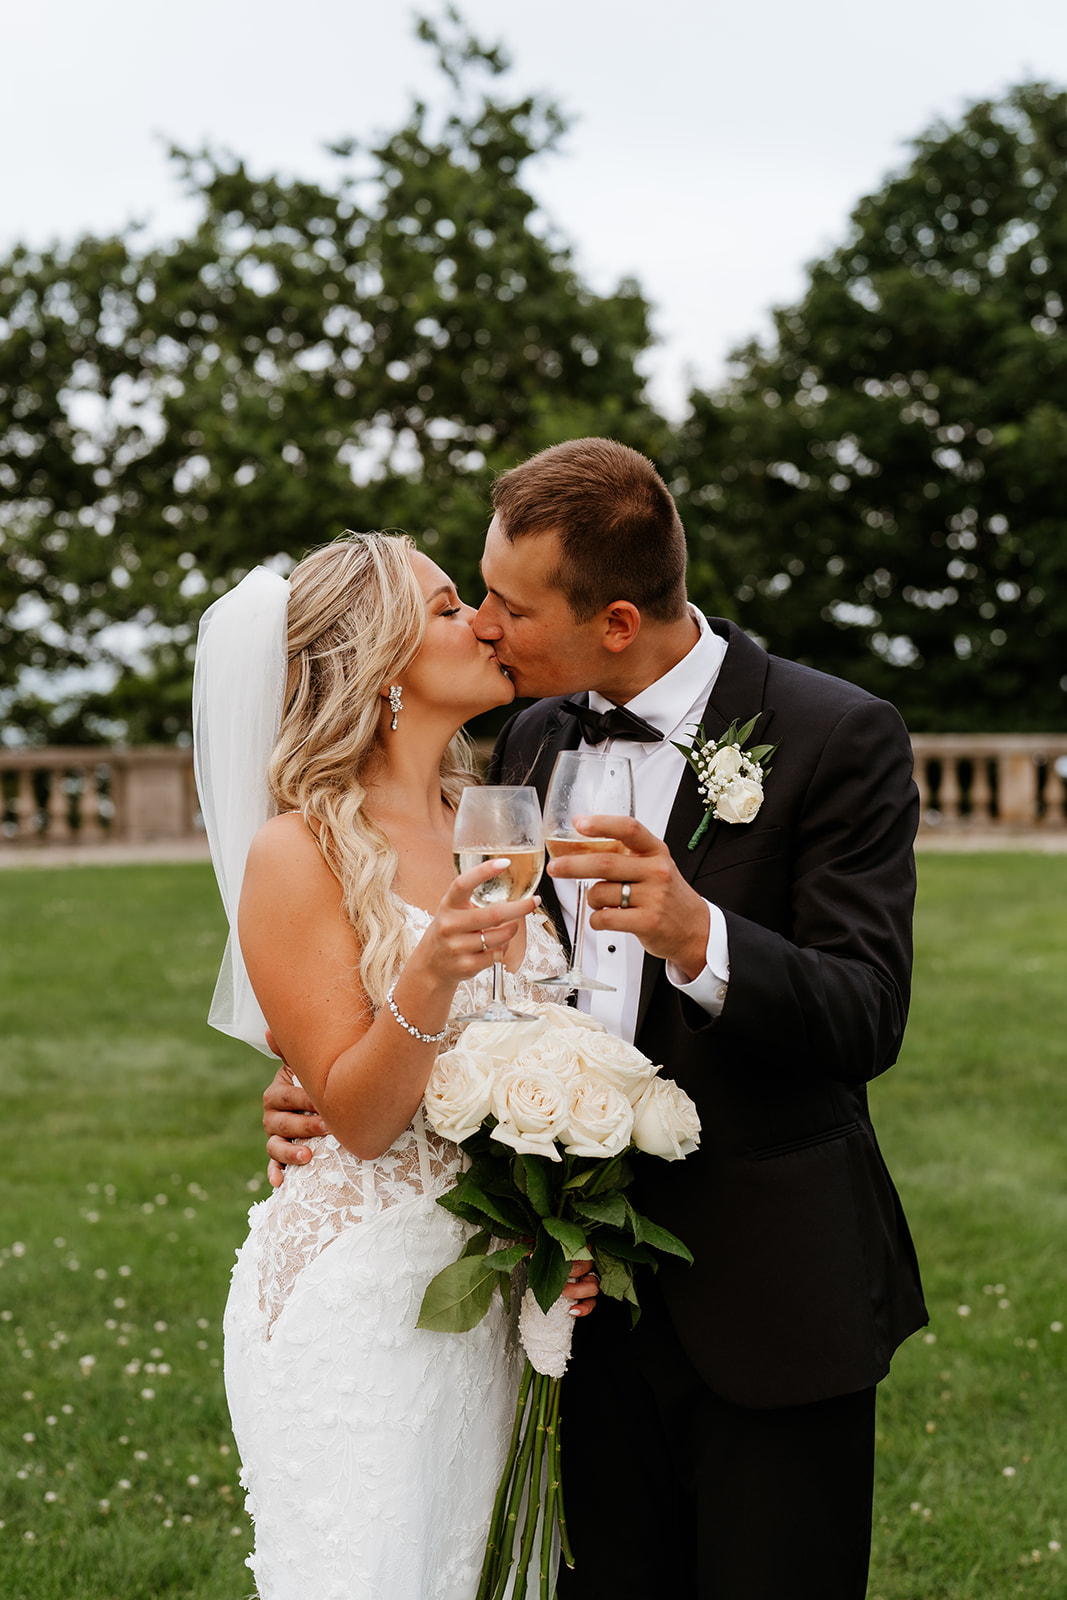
<point x="485" y="947"/>
<point x="624" y="902"/>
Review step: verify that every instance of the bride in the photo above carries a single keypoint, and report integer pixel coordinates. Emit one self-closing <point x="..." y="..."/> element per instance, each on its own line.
<point x="327" y="710"/>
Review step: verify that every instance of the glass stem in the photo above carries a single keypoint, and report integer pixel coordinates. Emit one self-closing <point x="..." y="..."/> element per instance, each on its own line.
<point x="579" y="928"/>
<point x="498" y="980"/>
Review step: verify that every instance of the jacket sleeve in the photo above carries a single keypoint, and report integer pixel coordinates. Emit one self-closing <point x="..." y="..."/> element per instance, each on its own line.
<point x="831" y="997"/>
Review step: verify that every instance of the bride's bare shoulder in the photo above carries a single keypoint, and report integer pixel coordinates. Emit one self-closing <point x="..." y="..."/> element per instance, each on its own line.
<point x="285" y="854"/>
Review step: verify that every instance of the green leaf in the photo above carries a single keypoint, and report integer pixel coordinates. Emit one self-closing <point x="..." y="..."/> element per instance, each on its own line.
<point x="549" y="1270"/>
<point x="648" y="1232"/>
<point x="614" y="1174"/>
<point x="620" y="1244"/>
<point x="581" y="1179"/>
<point x="451" y="1201"/>
<point x="458" y="1298"/>
<point x="477" y="1244"/>
<point x="538" y="1186"/>
<point x="616" y="1276"/>
<point x="495" y="1208"/>
<point x="569" y="1236"/>
<point x="507" y="1260"/>
<point x="612" y="1209"/>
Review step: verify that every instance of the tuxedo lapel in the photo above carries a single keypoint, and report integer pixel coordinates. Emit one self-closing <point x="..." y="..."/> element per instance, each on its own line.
<point x="736" y="696"/>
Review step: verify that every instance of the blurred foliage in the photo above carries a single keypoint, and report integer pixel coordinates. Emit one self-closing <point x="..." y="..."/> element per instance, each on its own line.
<point x="879" y="492"/>
<point x="311" y="359"/>
<point x="883" y="492"/>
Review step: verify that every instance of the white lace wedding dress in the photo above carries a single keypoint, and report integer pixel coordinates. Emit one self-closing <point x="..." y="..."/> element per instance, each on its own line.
<point x="370" y="1448"/>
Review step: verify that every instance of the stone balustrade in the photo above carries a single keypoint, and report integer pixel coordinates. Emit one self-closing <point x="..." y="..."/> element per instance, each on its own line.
<point x="85" y="795"/>
<point x="1004" y="782"/>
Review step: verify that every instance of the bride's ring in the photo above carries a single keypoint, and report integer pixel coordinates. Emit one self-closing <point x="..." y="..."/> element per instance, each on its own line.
<point x="485" y="947"/>
<point x="624" y="902"/>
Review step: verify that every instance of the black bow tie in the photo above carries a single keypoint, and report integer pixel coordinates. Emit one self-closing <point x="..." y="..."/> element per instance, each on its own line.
<point x="618" y="723"/>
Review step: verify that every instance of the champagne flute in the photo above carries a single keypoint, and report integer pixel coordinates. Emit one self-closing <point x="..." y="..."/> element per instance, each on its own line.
<point x="499" y="820"/>
<point x="583" y="784"/>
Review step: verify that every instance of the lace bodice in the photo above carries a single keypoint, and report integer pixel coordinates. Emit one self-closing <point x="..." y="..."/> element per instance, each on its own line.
<point x="336" y="1189"/>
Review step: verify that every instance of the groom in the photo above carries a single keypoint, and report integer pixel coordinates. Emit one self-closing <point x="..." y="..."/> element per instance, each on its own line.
<point x="723" y="1448"/>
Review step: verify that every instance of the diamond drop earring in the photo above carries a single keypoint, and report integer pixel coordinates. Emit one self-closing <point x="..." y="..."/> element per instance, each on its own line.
<point x="395" y="703"/>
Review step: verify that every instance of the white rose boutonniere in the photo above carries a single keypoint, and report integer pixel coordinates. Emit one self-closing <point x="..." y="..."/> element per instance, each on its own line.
<point x="730" y="777"/>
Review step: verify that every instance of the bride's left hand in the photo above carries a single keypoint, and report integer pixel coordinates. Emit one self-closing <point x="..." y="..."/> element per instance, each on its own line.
<point x="582" y="1287"/>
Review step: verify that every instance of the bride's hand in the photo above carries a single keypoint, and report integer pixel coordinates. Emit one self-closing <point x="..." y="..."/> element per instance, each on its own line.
<point x="463" y="938"/>
<point x="582" y="1287"/>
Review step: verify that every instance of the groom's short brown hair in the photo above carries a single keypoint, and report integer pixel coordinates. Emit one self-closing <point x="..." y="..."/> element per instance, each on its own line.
<point x="620" y="534"/>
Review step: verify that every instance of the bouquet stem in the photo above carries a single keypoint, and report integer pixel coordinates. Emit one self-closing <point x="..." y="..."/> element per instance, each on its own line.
<point x="532" y="1468"/>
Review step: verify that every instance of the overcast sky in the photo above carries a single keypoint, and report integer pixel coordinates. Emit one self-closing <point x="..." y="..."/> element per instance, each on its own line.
<point x="714" y="149"/>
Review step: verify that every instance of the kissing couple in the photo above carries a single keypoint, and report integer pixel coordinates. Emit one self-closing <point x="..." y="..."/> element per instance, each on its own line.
<point x="724" y="1446"/>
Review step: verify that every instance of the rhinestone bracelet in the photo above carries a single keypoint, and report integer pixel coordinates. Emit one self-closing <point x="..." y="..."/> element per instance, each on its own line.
<point x="423" y="1038"/>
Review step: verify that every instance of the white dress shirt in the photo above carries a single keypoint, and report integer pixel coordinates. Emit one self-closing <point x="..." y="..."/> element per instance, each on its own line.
<point x="617" y="958"/>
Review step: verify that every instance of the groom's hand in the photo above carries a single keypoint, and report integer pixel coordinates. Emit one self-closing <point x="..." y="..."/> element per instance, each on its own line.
<point x="288" y="1118"/>
<point x="670" y="918"/>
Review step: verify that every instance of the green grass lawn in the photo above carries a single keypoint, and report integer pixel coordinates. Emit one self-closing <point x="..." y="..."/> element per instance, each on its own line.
<point x="132" y="1148"/>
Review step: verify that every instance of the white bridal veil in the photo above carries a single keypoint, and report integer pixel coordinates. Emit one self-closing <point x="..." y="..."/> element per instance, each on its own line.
<point x="238" y="684"/>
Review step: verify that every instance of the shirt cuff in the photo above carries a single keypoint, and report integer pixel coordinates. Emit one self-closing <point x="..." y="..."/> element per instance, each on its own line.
<point x="708" y="988"/>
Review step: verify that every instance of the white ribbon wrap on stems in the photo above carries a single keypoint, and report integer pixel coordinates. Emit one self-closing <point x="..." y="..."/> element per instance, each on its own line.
<point x="238" y="685"/>
<point x="546" y="1335"/>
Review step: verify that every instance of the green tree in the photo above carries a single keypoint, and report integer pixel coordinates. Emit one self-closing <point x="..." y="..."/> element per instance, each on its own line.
<point x="312" y="358"/>
<point x="882" y="492"/>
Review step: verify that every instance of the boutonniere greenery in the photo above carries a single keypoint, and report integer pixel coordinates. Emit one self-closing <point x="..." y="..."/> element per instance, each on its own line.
<point x="730" y="777"/>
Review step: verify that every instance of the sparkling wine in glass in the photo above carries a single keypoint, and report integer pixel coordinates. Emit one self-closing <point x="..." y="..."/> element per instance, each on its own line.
<point x="584" y="784"/>
<point x="496" y="822"/>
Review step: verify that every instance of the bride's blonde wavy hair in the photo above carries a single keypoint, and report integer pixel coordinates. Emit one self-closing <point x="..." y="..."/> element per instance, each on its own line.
<point x="357" y="619"/>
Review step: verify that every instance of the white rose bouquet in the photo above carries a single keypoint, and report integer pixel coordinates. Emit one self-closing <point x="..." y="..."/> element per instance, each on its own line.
<point x="547" y="1113"/>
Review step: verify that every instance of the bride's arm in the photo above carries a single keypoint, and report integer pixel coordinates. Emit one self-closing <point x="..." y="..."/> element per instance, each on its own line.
<point x="365" y="1074"/>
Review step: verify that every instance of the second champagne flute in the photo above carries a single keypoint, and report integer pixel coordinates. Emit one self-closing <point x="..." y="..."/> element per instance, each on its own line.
<point x="499" y="820"/>
<point x="584" y="784"/>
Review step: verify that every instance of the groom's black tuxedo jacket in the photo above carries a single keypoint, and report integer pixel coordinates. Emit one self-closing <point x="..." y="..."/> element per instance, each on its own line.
<point x="805" y="1278"/>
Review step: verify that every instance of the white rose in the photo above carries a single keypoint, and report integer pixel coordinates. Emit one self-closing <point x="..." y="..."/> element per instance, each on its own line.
<point x="739" y="801"/>
<point x="531" y="1107"/>
<point x="569" y="1018"/>
<point x="601" y="1118"/>
<point x="459" y="1094"/>
<point x="665" y="1121"/>
<point x="725" y="764"/>
<point x="617" y="1063"/>
<point x="502" y="1040"/>
<point x="553" y="1051"/>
